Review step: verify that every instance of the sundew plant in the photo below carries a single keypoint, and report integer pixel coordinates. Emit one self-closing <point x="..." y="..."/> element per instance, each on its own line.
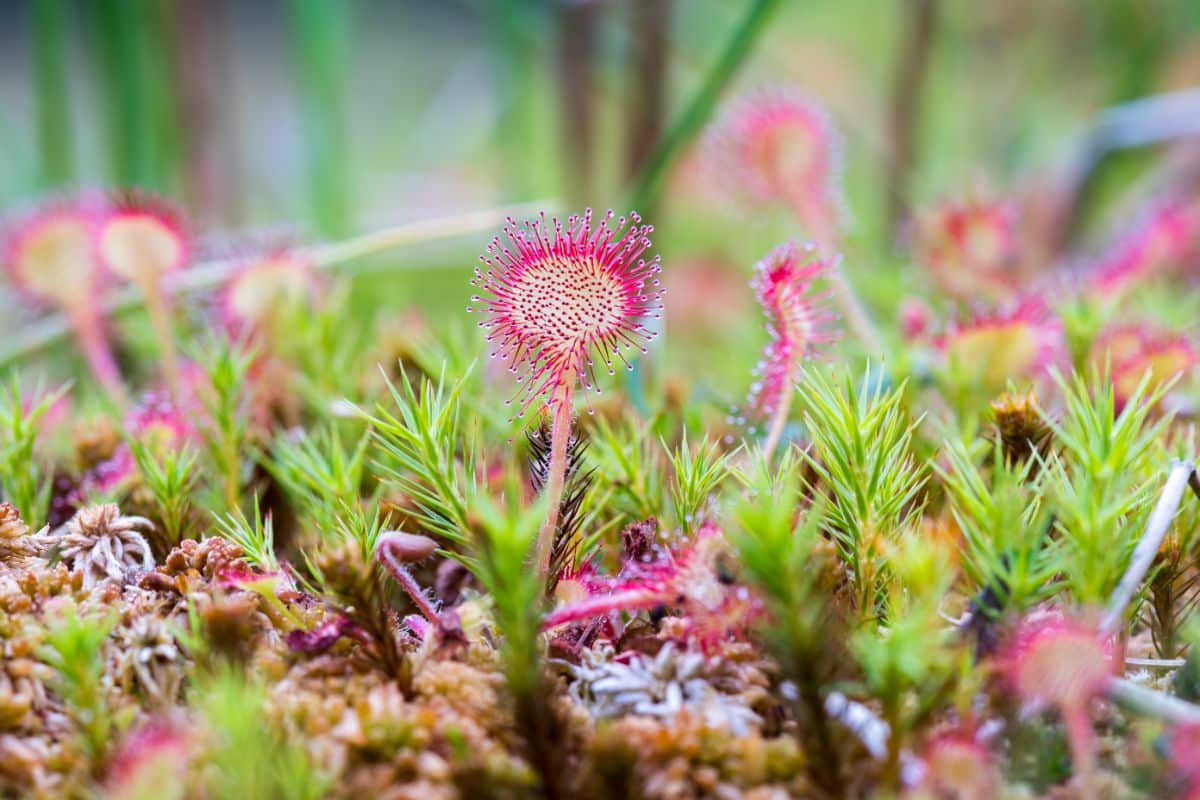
<point x="774" y="431"/>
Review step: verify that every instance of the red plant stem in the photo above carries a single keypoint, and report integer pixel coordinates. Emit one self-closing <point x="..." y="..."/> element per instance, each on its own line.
<point x="560" y="437"/>
<point x="89" y="331"/>
<point x="779" y="418"/>
<point x="1082" y="740"/>
<point x="408" y="583"/>
<point x="627" y="600"/>
<point x="160" y="320"/>
<point x="857" y="319"/>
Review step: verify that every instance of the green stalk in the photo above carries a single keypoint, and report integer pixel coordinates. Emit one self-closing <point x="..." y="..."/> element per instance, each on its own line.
<point x="156" y="44"/>
<point x="319" y="32"/>
<point x="516" y="69"/>
<point x="120" y="35"/>
<point x="576" y="79"/>
<point x="700" y="108"/>
<point x="55" y="147"/>
<point x="697" y="112"/>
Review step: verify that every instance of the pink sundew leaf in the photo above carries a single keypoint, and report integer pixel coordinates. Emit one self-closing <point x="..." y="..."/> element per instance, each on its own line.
<point x="560" y="298"/>
<point x="142" y="240"/>
<point x="1166" y="236"/>
<point x="797" y="321"/>
<point x="1133" y="351"/>
<point x="969" y="246"/>
<point x="778" y="147"/>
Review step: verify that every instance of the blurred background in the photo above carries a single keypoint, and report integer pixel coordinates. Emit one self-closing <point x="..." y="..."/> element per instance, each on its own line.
<point x="320" y="119"/>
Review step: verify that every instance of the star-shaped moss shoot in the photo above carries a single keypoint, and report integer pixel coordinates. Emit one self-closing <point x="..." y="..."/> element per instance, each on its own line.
<point x="560" y="299"/>
<point x="142" y="241"/>
<point x="797" y="323"/>
<point x="51" y="261"/>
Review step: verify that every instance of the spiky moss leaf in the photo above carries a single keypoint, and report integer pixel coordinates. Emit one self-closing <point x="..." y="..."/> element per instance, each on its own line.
<point x="25" y="481"/>
<point x="630" y="461"/>
<point x="256" y="536"/>
<point x="1005" y="526"/>
<point x="861" y="455"/>
<point x="697" y="473"/>
<point x="172" y="478"/>
<point x="1100" y="489"/>
<point x="420" y="453"/>
<point x="783" y="558"/>
<point x="225" y="365"/>
<point x="318" y="472"/>
<point x="504" y="536"/>
<point x="73" y="648"/>
<point x="247" y="754"/>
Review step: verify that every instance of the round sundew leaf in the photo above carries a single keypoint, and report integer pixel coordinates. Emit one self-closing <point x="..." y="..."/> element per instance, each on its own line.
<point x="562" y="297"/>
<point x="1022" y="340"/>
<point x="787" y="152"/>
<point x="275" y="282"/>
<point x="969" y="246"/>
<point x="1057" y="662"/>
<point x="778" y="147"/>
<point x="796" y="320"/>
<point x="1134" y="351"/>
<point x="52" y="260"/>
<point x="141" y="247"/>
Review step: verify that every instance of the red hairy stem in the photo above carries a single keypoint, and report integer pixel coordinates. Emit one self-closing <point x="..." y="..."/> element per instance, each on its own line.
<point x="855" y="313"/>
<point x="1082" y="740"/>
<point x="626" y="600"/>
<point x="407" y="582"/>
<point x="560" y="437"/>
<point x="779" y="417"/>
<point x="89" y="330"/>
<point x="160" y="320"/>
